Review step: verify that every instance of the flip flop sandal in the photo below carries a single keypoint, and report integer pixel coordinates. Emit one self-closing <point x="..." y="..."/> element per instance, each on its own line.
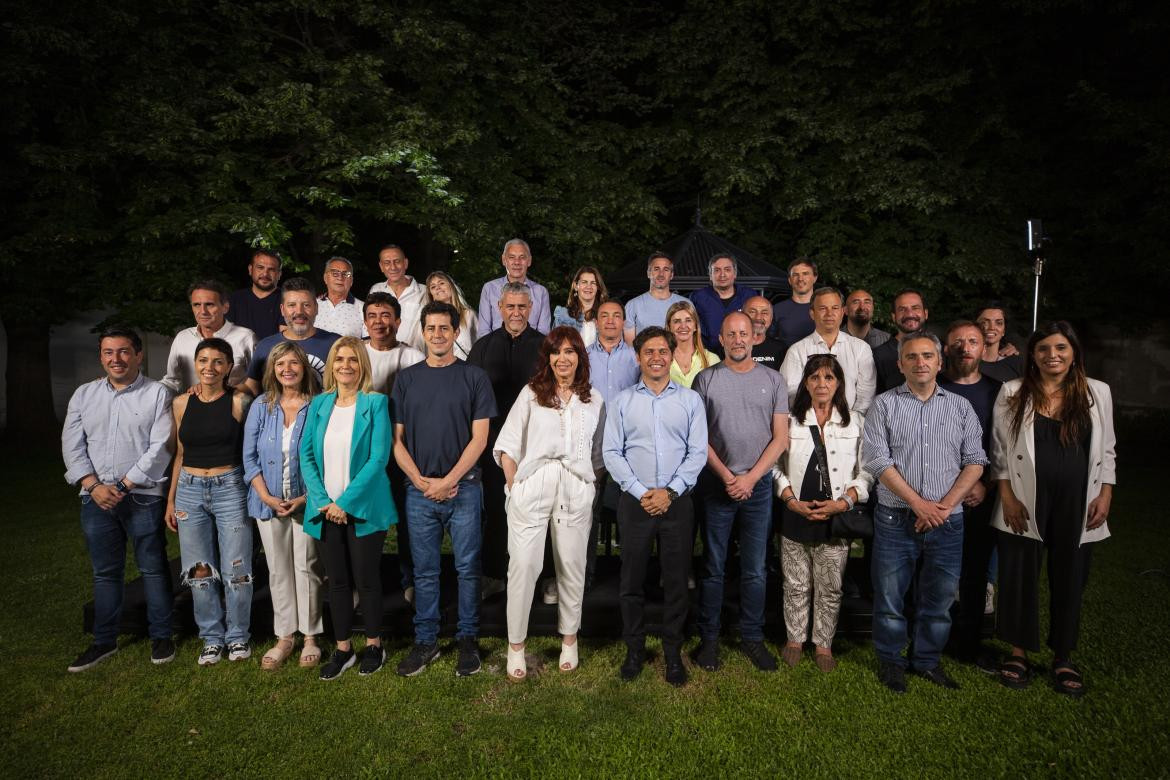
<point x="1015" y="673"/>
<point x="517" y="666"/>
<point x="1067" y="680"/>
<point x="569" y="659"/>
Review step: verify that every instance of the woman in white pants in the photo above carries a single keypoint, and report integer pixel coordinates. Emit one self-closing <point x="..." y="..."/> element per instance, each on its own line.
<point x="276" y="499"/>
<point x="550" y="451"/>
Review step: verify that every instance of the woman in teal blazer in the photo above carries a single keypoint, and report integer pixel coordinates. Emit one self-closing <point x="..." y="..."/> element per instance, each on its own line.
<point x="344" y="450"/>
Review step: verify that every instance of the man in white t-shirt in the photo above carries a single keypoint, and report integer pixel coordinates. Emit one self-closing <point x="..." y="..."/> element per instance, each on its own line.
<point x="387" y="354"/>
<point x="650" y="307"/>
<point x="406" y="289"/>
<point x="209" y="304"/>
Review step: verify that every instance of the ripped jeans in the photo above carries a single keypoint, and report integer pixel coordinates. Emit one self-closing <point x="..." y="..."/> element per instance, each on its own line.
<point x="214" y="531"/>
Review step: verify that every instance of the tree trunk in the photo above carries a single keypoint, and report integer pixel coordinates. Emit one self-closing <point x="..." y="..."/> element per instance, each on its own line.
<point x="29" y="385"/>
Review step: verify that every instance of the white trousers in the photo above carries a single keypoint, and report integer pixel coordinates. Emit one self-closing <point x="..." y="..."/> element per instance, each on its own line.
<point x="553" y="498"/>
<point x="294" y="576"/>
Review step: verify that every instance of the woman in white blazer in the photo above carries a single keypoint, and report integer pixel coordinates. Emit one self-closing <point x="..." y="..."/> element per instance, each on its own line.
<point x="1053" y="456"/>
<point x="814" y="561"/>
<point x="550" y="451"/>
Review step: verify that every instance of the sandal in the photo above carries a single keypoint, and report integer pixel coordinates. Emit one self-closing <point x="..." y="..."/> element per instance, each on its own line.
<point x="310" y="653"/>
<point x="1015" y="673"/>
<point x="517" y="666"/>
<point x="1067" y="679"/>
<point x="825" y="662"/>
<point x="791" y="655"/>
<point x="275" y="658"/>
<point x="568" y="660"/>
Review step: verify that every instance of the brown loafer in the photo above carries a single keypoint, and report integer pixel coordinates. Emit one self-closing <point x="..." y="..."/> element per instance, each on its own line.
<point x="791" y="655"/>
<point x="825" y="662"/>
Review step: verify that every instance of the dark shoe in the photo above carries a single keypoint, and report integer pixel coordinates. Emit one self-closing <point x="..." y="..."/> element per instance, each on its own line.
<point x="676" y="673"/>
<point x="468" y="663"/>
<point x="892" y="676"/>
<point x="1015" y="673"/>
<point x="93" y="655"/>
<point x="1067" y="679"/>
<point x="708" y="656"/>
<point x="417" y="659"/>
<point x="938" y="677"/>
<point x="635" y="660"/>
<point x="825" y="662"/>
<point x="759" y="655"/>
<point x="337" y="664"/>
<point x="373" y="656"/>
<point x="987" y="661"/>
<point x="162" y="651"/>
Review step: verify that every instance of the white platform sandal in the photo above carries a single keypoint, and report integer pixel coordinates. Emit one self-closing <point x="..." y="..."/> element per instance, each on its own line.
<point x="568" y="660"/>
<point x="517" y="667"/>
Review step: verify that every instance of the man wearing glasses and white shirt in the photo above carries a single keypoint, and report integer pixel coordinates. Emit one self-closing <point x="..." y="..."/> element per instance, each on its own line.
<point x="337" y="310"/>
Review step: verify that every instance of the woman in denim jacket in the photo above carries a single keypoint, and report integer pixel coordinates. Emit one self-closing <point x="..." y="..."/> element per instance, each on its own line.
<point x="276" y="500"/>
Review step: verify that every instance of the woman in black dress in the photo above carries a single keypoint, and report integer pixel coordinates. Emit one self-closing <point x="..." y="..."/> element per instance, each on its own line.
<point x="1054" y="457"/>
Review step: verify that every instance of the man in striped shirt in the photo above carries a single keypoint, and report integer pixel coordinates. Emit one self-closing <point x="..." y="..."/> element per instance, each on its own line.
<point x="923" y="446"/>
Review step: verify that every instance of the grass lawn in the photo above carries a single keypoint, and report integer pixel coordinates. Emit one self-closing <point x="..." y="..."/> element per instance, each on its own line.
<point x="129" y="718"/>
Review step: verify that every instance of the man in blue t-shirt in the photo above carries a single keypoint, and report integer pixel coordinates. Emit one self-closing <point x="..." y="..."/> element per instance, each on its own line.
<point x="298" y="304"/>
<point x="963" y="351"/>
<point x="442" y="408"/>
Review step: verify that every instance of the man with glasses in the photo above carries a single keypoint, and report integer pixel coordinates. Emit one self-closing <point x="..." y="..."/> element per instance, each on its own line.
<point x="338" y="311"/>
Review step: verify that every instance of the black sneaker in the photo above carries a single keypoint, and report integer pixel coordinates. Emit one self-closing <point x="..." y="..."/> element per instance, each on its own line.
<point x="708" y="656"/>
<point x="759" y="655"/>
<point x="93" y="655"/>
<point x="635" y="660"/>
<point x="892" y="676"/>
<point x="162" y="651"/>
<point x="676" y="673"/>
<point x="938" y="677"/>
<point x="372" y="659"/>
<point x="337" y="664"/>
<point x="468" y="663"/>
<point x="417" y="659"/>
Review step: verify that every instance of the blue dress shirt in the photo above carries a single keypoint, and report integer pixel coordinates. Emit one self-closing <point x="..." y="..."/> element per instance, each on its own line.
<point x="655" y="441"/>
<point x="612" y="372"/>
<point x="539" y="317"/>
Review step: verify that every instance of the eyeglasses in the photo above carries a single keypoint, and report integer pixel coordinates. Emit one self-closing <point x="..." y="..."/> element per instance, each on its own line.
<point x="340" y="274"/>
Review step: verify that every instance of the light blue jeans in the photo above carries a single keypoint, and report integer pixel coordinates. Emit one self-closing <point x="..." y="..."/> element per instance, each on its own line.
<point x="214" y="532"/>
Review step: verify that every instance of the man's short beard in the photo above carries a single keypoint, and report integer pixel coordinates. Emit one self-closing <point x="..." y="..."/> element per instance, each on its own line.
<point x="265" y="287"/>
<point x="859" y="318"/>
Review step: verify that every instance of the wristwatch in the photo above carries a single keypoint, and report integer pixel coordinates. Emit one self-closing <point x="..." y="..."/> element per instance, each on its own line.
<point x="672" y="493"/>
<point x="121" y="486"/>
<point x="848" y="502"/>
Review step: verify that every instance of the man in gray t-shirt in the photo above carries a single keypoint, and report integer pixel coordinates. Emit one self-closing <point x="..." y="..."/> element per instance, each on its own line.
<point x="747" y="423"/>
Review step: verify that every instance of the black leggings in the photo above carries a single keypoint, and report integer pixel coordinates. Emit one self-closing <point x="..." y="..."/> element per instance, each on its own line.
<point x="344" y="552"/>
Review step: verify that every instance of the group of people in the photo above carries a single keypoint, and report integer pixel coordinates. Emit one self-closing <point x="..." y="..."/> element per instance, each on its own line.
<point x="321" y="421"/>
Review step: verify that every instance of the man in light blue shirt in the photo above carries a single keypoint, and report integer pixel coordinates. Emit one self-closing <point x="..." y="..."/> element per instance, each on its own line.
<point x="116" y="447"/>
<point x="650" y="307"/>
<point x="655" y="446"/>
<point x="516" y="258"/>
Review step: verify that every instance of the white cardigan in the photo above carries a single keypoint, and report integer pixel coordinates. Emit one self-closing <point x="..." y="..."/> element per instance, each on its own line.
<point x="1015" y="460"/>
<point x="842" y="447"/>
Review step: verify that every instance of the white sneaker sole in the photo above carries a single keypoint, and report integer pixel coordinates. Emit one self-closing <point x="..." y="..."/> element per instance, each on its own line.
<point x="92" y="663"/>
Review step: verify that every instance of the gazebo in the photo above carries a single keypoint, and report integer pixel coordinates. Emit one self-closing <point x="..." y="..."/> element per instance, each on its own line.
<point x="691" y="251"/>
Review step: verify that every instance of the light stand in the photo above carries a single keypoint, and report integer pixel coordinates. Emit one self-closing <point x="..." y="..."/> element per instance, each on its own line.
<point x="1035" y="251"/>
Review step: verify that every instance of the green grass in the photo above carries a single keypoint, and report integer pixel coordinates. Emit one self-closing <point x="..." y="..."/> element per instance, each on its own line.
<point x="129" y="718"/>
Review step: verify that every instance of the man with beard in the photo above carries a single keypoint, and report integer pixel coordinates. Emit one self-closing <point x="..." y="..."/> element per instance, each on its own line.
<point x="859" y="319"/>
<point x="963" y="350"/>
<point x="910" y="315"/>
<point x="765" y="349"/>
<point x="790" y="320"/>
<point x="298" y="305"/>
<point x="257" y="307"/>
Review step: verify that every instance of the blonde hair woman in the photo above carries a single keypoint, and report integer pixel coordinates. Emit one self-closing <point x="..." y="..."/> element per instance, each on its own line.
<point x="690" y="357"/>
<point x="442" y="288"/>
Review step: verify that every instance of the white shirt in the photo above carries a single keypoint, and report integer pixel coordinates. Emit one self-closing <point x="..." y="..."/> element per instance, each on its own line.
<point x="534" y="434"/>
<point x="344" y="319"/>
<point x="386" y="363"/>
<point x="855" y="357"/>
<point x="285" y="459"/>
<point x="411" y="303"/>
<point x="181" y="362"/>
<point x="338" y="440"/>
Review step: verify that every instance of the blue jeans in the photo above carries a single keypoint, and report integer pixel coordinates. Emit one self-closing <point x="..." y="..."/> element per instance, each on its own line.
<point x="140" y="518"/>
<point x="897" y="550"/>
<point x="214" y="531"/>
<point x="428" y="519"/>
<point x="754" y="516"/>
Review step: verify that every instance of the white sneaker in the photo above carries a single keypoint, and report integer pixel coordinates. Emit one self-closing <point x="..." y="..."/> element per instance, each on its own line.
<point x="210" y="655"/>
<point x="548" y="591"/>
<point x="239" y="651"/>
<point x="989" y="601"/>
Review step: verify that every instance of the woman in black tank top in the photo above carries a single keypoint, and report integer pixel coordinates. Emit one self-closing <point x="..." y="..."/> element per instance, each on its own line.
<point x="207" y="506"/>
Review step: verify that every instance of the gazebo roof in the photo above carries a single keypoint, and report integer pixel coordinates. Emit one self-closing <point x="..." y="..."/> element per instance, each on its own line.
<point x="691" y="252"/>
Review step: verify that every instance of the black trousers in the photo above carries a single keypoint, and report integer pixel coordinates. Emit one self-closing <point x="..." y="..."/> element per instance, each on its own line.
<point x="979" y="540"/>
<point x="402" y="533"/>
<point x="494" y="549"/>
<point x="675" y="534"/>
<point x="1020" y="559"/>
<point x="347" y="554"/>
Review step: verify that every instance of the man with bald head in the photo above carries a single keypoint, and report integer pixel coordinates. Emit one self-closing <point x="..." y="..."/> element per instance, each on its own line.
<point x="765" y="349"/>
<point x="747" y="430"/>
<point x="859" y="319"/>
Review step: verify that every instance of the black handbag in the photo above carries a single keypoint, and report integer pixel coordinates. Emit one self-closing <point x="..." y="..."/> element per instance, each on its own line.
<point x="855" y="523"/>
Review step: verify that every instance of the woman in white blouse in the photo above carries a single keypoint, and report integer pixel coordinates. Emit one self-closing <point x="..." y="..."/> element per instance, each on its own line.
<point x="814" y="486"/>
<point x="550" y="451"/>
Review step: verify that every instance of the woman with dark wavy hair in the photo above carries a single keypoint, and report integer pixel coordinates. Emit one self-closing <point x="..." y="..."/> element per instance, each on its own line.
<point x="586" y="294"/>
<point x="550" y="451"/>
<point x="1054" y="457"/>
